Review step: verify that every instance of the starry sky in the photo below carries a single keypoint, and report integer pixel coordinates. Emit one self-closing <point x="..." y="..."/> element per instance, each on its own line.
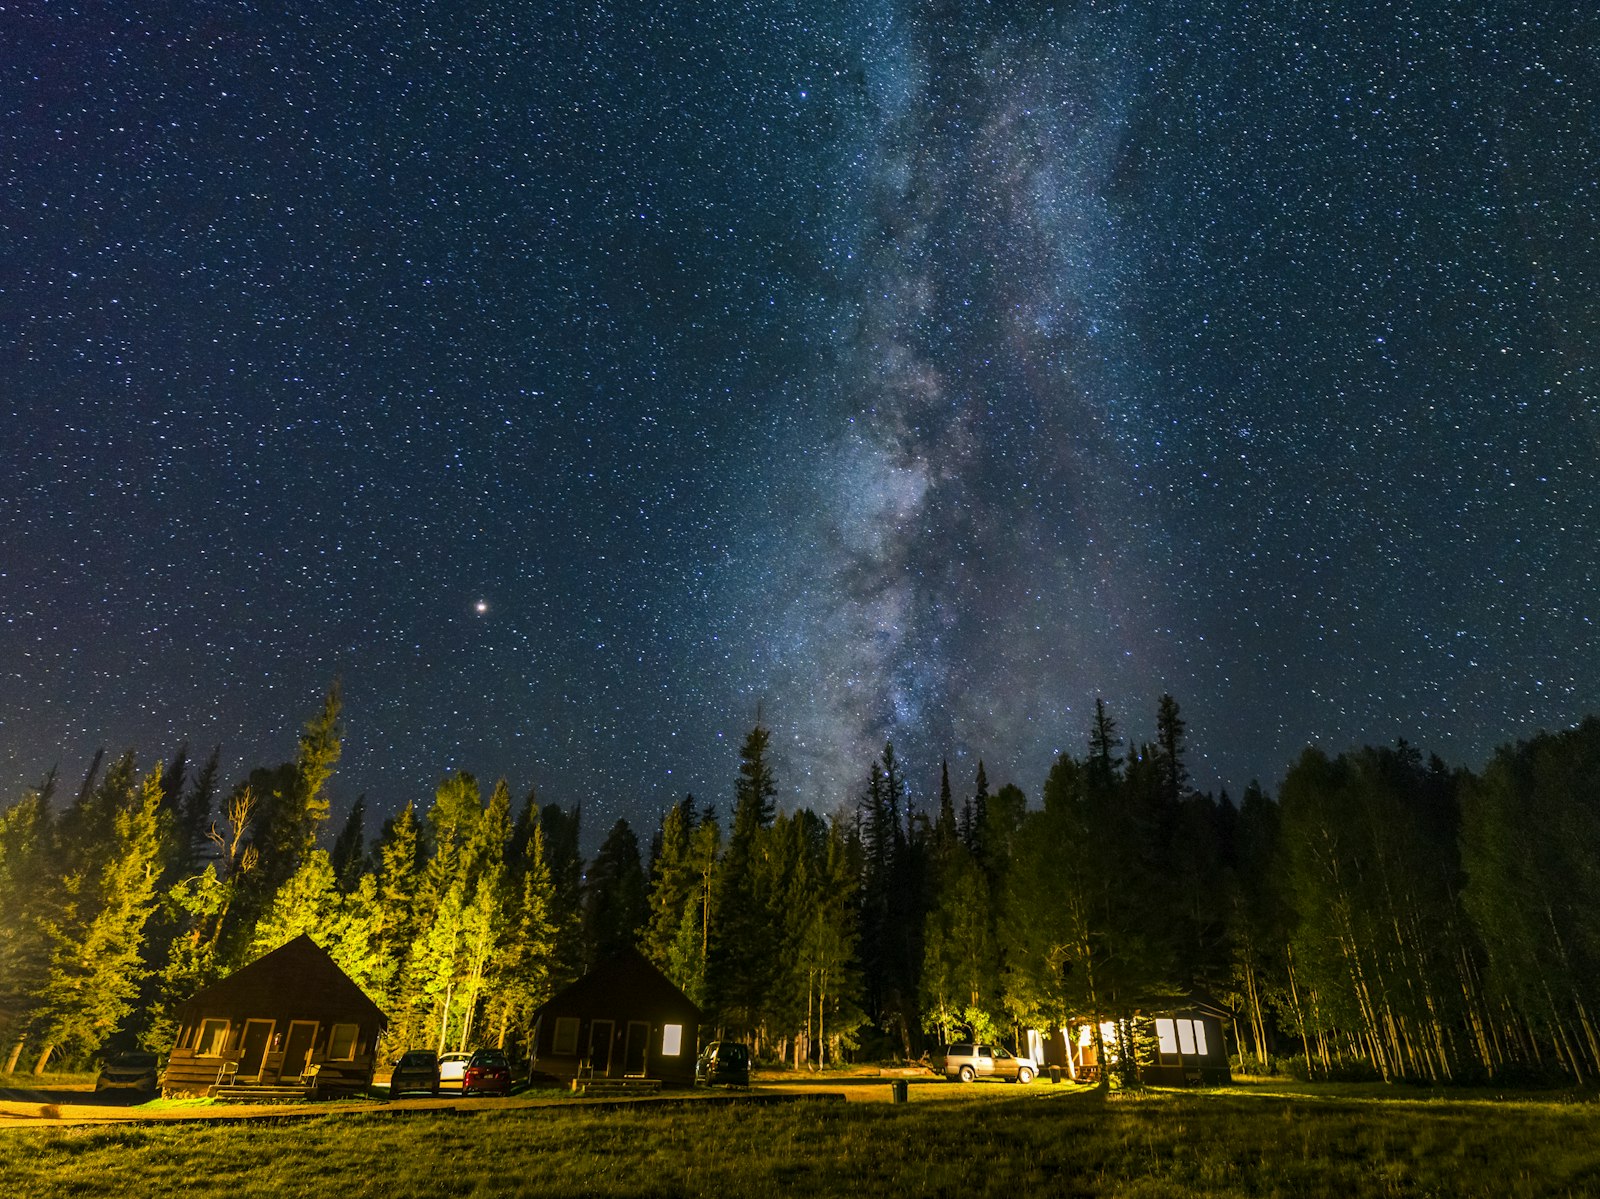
<point x="572" y="380"/>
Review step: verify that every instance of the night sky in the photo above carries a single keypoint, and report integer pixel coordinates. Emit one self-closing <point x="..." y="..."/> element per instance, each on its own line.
<point x="571" y="379"/>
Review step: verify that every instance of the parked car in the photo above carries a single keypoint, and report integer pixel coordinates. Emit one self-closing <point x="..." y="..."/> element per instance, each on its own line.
<point x="138" y="1072"/>
<point x="969" y="1061"/>
<point x="417" y="1070"/>
<point x="488" y="1073"/>
<point x="452" y="1066"/>
<point x="723" y="1063"/>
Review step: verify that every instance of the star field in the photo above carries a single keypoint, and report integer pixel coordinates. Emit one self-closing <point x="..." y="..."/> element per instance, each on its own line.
<point x="571" y="379"/>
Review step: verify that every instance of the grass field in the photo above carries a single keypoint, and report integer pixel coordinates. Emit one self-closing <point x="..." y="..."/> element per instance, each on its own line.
<point x="972" y="1141"/>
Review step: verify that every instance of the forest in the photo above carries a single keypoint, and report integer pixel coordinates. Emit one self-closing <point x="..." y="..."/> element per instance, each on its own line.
<point x="1383" y="916"/>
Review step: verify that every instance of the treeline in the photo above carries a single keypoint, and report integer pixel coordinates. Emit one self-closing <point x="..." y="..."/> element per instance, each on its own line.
<point x="1384" y="915"/>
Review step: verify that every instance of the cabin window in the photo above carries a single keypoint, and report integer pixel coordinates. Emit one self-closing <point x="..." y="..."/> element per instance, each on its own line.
<point x="342" y="1043"/>
<point x="212" y="1040"/>
<point x="1182" y="1036"/>
<point x="672" y="1040"/>
<point x="565" y="1043"/>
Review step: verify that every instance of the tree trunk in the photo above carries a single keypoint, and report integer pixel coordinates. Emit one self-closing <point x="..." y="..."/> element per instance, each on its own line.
<point x="44" y="1056"/>
<point x="444" y="1018"/>
<point x="16" y="1053"/>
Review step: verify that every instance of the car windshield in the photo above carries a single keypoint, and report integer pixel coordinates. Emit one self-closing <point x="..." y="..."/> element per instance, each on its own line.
<point x="417" y="1059"/>
<point x="489" y="1057"/>
<point x="138" y="1060"/>
<point x="1001" y="1053"/>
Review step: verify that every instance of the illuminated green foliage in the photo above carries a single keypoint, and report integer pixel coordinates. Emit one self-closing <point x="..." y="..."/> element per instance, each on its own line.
<point x="110" y="848"/>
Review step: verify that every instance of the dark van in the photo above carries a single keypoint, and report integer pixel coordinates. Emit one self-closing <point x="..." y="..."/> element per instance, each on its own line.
<point x="723" y="1063"/>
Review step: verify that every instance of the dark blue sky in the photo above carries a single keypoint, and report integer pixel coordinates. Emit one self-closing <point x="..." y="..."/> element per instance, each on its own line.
<point x="915" y="371"/>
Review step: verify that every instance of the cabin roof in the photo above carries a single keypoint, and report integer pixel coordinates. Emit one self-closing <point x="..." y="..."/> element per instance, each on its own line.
<point x="298" y="977"/>
<point x="625" y="982"/>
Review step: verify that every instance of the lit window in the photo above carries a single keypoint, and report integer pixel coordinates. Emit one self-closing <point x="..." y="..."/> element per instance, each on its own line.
<point x="1186" y="1037"/>
<point x="565" y="1043"/>
<point x="213" y="1039"/>
<point x="1199" y="1038"/>
<point x="342" y="1043"/>
<point x="1167" y="1035"/>
<point x="672" y="1040"/>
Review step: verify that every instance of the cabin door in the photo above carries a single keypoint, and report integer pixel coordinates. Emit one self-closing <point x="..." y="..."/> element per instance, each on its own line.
<point x="253" y="1047"/>
<point x="600" y="1034"/>
<point x="634" y="1056"/>
<point x="297" y="1049"/>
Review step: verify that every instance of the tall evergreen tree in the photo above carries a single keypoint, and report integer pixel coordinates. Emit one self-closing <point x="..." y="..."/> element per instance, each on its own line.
<point x="521" y="973"/>
<point x="740" y="966"/>
<point x="95" y="930"/>
<point x="560" y="831"/>
<point x="1171" y="732"/>
<point x="615" y="905"/>
<point x="27" y="852"/>
<point x="945" y="829"/>
<point x="892" y="895"/>
<point x="1104" y="760"/>
<point x="490" y="903"/>
<point x="197" y="810"/>
<point x="349" y="856"/>
<point x="674" y="880"/>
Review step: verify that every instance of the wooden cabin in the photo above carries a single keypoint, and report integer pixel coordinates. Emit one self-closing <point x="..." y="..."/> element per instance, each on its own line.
<point x="1184" y="1047"/>
<point x="623" y="1020"/>
<point x="289" y="1020"/>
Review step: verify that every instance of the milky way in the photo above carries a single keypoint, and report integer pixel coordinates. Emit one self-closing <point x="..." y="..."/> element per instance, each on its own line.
<point x="912" y="372"/>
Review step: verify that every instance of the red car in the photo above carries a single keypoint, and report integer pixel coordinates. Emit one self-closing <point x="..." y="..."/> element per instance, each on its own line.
<point x="488" y="1073"/>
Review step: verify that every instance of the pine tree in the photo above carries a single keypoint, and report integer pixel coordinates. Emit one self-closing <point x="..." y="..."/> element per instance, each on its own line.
<point x="741" y="966"/>
<point x="944" y="829"/>
<point x="687" y="958"/>
<point x="1170" y="732"/>
<point x="1104" y="761"/>
<point x="435" y="966"/>
<point x="615" y="904"/>
<point x="490" y="905"/>
<point x="27" y="848"/>
<point x="319" y="750"/>
<point x="521" y="974"/>
<point x="95" y="930"/>
<point x="673" y="882"/>
<point x="975" y="814"/>
<point x="197" y="816"/>
<point x="349" y="856"/>
<point x="399" y="883"/>
<point x="561" y="832"/>
<point x="892" y="895"/>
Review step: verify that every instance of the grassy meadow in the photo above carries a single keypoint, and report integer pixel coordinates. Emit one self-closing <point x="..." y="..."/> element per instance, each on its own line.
<point x="971" y="1141"/>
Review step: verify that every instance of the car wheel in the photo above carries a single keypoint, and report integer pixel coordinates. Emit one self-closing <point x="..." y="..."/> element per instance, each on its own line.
<point x="968" y="1074"/>
<point x="1024" y="1076"/>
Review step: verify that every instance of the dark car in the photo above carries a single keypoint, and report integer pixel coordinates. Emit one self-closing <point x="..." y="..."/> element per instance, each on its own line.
<point x="417" y="1070"/>
<point x="488" y="1073"/>
<point x="139" y="1072"/>
<point x="723" y="1063"/>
